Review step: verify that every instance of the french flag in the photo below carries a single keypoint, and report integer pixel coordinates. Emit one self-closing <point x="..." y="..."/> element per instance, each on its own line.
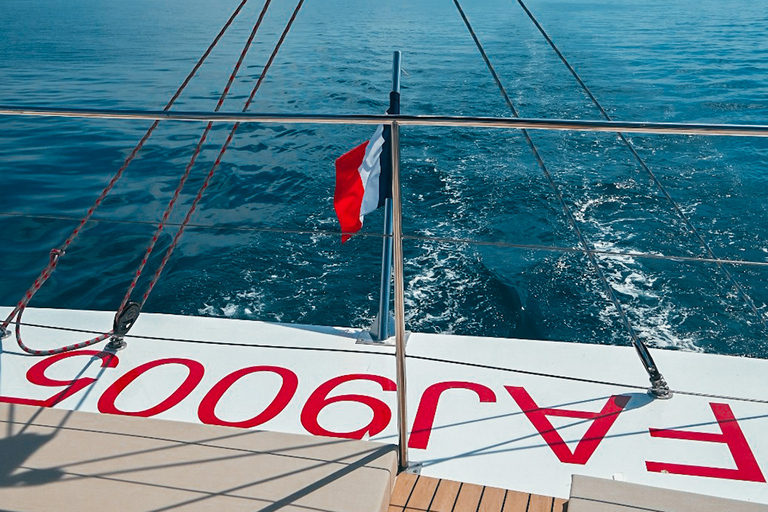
<point x="363" y="181"/>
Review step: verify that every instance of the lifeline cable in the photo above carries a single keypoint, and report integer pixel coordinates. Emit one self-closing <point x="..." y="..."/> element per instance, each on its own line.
<point x="57" y="253"/>
<point x="469" y="364"/>
<point x="425" y="238"/>
<point x="659" y="385"/>
<point x="654" y="178"/>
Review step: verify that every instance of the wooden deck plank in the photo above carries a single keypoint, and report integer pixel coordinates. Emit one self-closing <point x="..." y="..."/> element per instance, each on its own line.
<point x="516" y="501"/>
<point x="493" y="500"/>
<point x="540" y="503"/>
<point x="469" y="498"/>
<point x="402" y="491"/>
<point x="445" y="497"/>
<point x="426" y="494"/>
<point x="422" y="494"/>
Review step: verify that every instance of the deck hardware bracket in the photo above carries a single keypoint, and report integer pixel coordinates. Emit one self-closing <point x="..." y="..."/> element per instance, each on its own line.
<point x="414" y="468"/>
<point x="660" y="389"/>
<point x="389" y="342"/>
<point x="124" y="320"/>
<point x="4" y="333"/>
<point x="390" y="327"/>
<point x="115" y="343"/>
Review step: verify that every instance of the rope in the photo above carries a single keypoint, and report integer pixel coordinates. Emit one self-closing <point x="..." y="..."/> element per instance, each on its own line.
<point x="192" y="160"/>
<point x="216" y="163"/>
<point x="56" y="254"/>
<point x="197" y="199"/>
<point x="644" y="166"/>
<point x="391" y="354"/>
<point x="642" y="350"/>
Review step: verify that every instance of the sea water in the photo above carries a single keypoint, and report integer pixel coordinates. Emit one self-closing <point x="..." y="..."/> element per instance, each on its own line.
<point x="466" y="192"/>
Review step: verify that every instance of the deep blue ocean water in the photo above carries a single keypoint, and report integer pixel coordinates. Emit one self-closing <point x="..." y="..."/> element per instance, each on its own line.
<point x="649" y="60"/>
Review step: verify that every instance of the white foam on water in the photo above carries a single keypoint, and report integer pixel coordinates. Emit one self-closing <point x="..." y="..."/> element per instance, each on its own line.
<point x="651" y="312"/>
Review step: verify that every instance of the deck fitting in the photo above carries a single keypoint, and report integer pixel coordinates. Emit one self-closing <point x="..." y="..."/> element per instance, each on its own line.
<point x="115" y="344"/>
<point x="660" y="389"/>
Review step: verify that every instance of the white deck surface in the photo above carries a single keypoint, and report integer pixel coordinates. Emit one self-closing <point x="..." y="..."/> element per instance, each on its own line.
<point x="334" y="385"/>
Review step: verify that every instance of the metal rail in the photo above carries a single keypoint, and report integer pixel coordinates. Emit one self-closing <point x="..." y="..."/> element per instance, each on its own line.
<point x="397" y="260"/>
<point x="731" y="130"/>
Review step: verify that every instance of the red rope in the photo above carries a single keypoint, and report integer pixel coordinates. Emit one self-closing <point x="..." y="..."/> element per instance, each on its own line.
<point x="192" y="161"/>
<point x="216" y="163"/>
<point x="56" y="254"/>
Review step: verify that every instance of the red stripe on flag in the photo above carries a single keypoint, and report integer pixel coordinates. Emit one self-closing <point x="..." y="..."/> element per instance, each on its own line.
<point x="349" y="192"/>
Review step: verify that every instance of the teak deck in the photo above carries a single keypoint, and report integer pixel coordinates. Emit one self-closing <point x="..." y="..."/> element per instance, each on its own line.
<point x="415" y="493"/>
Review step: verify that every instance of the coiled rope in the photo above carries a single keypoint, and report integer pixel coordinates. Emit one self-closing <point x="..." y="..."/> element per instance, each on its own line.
<point x="710" y="253"/>
<point x="659" y="385"/>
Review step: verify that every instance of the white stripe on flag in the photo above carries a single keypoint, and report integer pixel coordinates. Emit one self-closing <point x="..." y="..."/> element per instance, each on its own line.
<point x="370" y="171"/>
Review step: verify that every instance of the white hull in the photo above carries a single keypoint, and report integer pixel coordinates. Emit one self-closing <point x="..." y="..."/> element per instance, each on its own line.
<point x="290" y="385"/>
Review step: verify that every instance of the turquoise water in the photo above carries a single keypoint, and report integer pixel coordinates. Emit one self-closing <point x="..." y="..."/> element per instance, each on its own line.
<point x="684" y="61"/>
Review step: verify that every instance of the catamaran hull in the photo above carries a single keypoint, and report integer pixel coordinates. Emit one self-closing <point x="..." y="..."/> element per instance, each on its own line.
<point x="510" y="413"/>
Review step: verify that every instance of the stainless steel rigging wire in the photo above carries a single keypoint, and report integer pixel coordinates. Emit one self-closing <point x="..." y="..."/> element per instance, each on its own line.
<point x="659" y="387"/>
<point x="426" y="238"/>
<point x="737" y="286"/>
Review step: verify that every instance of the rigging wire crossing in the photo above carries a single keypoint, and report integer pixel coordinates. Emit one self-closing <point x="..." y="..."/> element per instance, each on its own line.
<point x="659" y="387"/>
<point x="128" y="311"/>
<point x="59" y="252"/>
<point x="676" y="207"/>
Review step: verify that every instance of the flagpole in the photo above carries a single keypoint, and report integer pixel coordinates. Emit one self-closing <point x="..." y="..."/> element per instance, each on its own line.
<point x="381" y="326"/>
<point x="397" y="260"/>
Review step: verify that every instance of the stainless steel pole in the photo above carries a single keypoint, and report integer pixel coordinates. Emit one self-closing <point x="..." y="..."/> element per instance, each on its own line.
<point x="381" y="325"/>
<point x="397" y="242"/>
<point x="380" y="331"/>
